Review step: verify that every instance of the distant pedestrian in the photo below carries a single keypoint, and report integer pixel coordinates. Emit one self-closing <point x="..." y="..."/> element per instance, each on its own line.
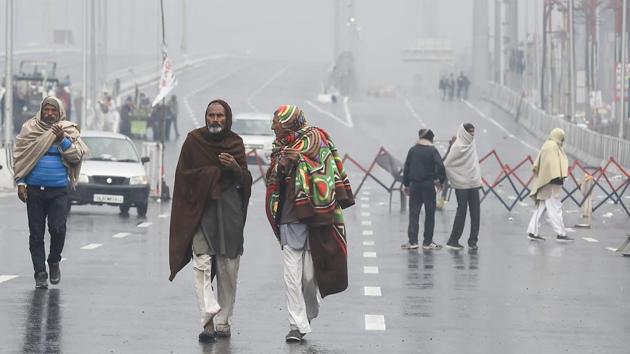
<point x="464" y="174"/>
<point x="306" y="189"/>
<point x="551" y="168"/>
<point x="125" y="116"/>
<point x="443" y="86"/>
<point x="47" y="159"/>
<point x="210" y="200"/>
<point x="173" y="109"/>
<point x="422" y="174"/>
<point x="451" y="87"/>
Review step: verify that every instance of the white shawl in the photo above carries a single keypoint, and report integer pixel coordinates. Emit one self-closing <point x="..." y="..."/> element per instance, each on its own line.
<point x="462" y="163"/>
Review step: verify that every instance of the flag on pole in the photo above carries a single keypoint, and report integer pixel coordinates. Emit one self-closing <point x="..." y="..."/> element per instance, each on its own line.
<point x="167" y="78"/>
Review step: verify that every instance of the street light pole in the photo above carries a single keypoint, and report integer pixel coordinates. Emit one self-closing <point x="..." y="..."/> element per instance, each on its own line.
<point x="622" y="69"/>
<point x="84" y="71"/>
<point x="8" y="72"/>
<point x="571" y="106"/>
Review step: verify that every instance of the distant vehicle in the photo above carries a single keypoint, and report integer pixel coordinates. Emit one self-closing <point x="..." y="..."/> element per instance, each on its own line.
<point x="34" y="81"/>
<point x="112" y="174"/>
<point x="255" y="129"/>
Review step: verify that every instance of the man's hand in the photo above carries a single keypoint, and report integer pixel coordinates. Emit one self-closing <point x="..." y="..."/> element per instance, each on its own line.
<point x="406" y="190"/>
<point x="229" y="161"/>
<point x="439" y="187"/>
<point x="22" y="193"/>
<point x="58" y="131"/>
<point x="288" y="157"/>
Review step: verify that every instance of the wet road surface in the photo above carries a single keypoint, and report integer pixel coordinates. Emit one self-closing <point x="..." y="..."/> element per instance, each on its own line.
<point x="512" y="296"/>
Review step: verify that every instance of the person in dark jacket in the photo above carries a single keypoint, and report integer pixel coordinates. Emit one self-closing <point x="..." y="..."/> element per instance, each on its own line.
<point x="422" y="174"/>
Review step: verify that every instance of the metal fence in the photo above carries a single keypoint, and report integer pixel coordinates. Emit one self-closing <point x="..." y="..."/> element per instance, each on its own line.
<point x="580" y="142"/>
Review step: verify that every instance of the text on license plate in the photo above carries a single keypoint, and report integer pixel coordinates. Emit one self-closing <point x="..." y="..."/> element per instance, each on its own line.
<point x="107" y="198"/>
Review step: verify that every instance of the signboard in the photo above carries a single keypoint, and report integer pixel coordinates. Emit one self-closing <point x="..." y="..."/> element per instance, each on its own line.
<point x="167" y="78"/>
<point x="618" y="81"/>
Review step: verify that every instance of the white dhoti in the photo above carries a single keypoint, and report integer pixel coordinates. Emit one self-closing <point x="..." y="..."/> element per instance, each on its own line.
<point x="303" y="296"/>
<point x="219" y="308"/>
<point x="551" y="207"/>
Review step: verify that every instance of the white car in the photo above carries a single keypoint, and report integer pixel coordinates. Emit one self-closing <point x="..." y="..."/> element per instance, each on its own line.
<point x="112" y="174"/>
<point x="255" y="129"/>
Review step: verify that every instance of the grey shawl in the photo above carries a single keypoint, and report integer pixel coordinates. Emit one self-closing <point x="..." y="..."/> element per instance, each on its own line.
<point x="462" y="163"/>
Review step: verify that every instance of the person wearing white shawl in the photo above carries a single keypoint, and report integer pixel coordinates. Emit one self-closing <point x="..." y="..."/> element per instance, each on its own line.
<point x="464" y="175"/>
<point x="551" y="168"/>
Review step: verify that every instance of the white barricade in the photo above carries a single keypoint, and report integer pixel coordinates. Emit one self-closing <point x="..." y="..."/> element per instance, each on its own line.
<point x="6" y="174"/>
<point x="154" y="168"/>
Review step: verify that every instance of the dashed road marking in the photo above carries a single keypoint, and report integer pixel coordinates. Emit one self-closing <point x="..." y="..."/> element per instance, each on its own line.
<point x="164" y="216"/>
<point x="121" y="235"/>
<point x="368" y="243"/>
<point x="366" y="223"/>
<point x="589" y="239"/>
<point x="4" y="278"/>
<point x="145" y="224"/>
<point x="374" y="322"/>
<point x="372" y="291"/>
<point x="365" y="206"/>
<point x="365" y="199"/>
<point x="369" y="254"/>
<point x="611" y="249"/>
<point x="348" y="117"/>
<point x="368" y="232"/>
<point x="366" y="193"/>
<point x="91" y="246"/>
<point x="365" y="213"/>
<point x="568" y="229"/>
<point x="370" y="270"/>
<point x="413" y="112"/>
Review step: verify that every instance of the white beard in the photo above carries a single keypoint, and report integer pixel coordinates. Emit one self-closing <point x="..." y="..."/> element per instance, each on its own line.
<point x="214" y="130"/>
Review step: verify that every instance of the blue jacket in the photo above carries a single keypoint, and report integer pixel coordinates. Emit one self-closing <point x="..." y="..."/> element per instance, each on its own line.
<point x="50" y="170"/>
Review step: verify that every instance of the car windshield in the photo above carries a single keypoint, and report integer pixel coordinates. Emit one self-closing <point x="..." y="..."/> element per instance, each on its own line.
<point x="110" y="149"/>
<point x="252" y="127"/>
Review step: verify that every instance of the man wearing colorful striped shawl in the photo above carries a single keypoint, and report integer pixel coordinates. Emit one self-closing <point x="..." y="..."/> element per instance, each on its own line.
<point x="306" y="189"/>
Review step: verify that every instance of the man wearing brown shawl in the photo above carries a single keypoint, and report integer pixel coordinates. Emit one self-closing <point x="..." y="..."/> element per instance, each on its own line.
<point x="47" y="158"/>
<point x="210" y="199"/>
<point x="306" y="189"/>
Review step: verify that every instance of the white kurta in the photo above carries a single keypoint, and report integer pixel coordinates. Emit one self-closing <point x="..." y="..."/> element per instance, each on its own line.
<point x="303" y="296"/>
<point x="548" y="203"/>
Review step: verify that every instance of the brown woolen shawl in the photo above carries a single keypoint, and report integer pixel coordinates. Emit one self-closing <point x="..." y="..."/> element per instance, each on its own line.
<point x="197" y="178"/>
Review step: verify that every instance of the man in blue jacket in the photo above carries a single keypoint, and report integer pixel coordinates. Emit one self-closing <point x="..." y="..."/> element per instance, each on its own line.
<point x="47" y="159"/>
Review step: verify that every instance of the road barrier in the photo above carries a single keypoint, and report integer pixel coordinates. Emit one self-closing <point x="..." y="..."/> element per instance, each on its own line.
<point x="260" y="166"/>
<point x="389" y="164"/>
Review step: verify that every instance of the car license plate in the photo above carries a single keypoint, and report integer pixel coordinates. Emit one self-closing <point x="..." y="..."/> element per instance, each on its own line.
<point x="107" y="198"/>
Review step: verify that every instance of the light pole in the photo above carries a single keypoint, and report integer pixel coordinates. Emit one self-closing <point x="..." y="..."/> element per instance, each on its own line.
<point x="8" y="72"/>
<point x="622" y="69"/>
<point x="84" y="78"/>
<point x="571" y="106"/>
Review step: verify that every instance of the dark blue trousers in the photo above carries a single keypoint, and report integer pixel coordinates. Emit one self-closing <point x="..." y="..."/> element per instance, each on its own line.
<point x="42" y="204"/>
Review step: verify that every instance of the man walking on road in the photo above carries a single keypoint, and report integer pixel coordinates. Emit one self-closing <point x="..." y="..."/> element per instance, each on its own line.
<point x="464" y="174"/>
<point x="47" y="158"/>
<point x="210" y="199"/>
<point x="306" y="189"/>
<point x="422" y="174"/>
<point x="550" y="169"/>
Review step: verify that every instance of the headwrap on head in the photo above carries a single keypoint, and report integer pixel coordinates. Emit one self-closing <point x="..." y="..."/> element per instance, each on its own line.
<point x="55" y="102"/>
<point x="228" y="120"/>
<point x="468" y="126"/>
<point x="425" y="133"/>
<point x="290" y="117"/>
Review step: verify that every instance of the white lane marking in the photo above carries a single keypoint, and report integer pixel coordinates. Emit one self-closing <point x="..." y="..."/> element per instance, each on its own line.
<point x="346" y="111"/>
<point x="145" y="224"/>
<point x="611" y="249"/>
<point x="164" y="216"/>
<point x="256" y="92"/>
<point x="348" y="123"/>
<point x="366" y="223"/>
<point x="4" y="278"/>
<point x="365" y="199"/>
<point x="369" y="254"/>
<point x="413" y="112"/>
<point x="368" y="233"/>
<point x="91" y="246"/>
<point x="364" y="193"/>
<point x="368" y="243"/>
<point x="569" y="229"/>
<point x="121" y="235"/>
<point x="589" y="239"/>
<point x="370" y="270"/>
<point x="365" y="206"/>
<point x="372" y="291"/>
<point x="374" y="322"/>
<point x="498" y="125"/>
<point x="365" y="213"/>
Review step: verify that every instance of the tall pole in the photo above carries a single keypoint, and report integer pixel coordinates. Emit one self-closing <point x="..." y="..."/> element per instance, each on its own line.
<point x="8" y="72"/>
<point x="498" y="55"/>
<point x="84" y="79"/>
<point x="624" y="38"/>
<point x="337" y="28"/>
<point x="480" y="42"/>
<point x="571" y="103"/>
<point x="184" y="44"/>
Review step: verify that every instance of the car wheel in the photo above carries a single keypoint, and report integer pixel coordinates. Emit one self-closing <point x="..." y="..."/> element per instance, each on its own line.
<point x="124" y="209"/>
<point x="142" y="209"/>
